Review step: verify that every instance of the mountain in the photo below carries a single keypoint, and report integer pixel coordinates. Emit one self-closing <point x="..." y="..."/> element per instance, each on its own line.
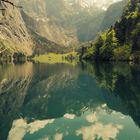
<point x="47" y="26"/>
<point x="66" y="22"/>
<point x="14" y="37"/>
<point x="51" y="20"/>
<point x="121" y="41"/>
<point x="109" y="18"/>
<point x="41" y="44"/>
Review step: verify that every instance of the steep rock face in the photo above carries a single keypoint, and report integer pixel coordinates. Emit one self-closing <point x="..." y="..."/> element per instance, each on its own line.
<point x="14" y="37"/>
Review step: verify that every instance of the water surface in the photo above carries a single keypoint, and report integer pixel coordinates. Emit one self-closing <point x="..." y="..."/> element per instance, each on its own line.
<point x="65" y="102"/>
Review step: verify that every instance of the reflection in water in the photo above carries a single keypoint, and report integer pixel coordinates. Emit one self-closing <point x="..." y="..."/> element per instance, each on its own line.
<point x="20" y="128"/>
<point x="14" y="82"/>
<point x="83" y="102"/>
<point x="122" y="80"/>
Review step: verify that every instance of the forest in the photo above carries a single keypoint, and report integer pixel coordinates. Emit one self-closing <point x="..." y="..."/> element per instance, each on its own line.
<point x="121" y="41"/>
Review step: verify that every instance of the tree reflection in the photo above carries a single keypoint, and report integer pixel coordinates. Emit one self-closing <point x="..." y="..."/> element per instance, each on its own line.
<point x="121" y="80"/>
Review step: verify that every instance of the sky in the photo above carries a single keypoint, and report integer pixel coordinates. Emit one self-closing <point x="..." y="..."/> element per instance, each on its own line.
<point x="99" y="3"/>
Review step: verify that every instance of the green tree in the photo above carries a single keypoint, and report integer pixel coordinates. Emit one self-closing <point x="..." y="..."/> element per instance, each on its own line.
<point x="122" y="53"/>
<point x="111" y="42"/>
<point x="98" y="44"/>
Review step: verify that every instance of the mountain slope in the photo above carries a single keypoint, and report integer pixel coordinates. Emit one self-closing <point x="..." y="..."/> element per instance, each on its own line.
<point x="41" y="44"/>
<point x="51" y="25"/>
<point x="51" y="20"/>
<point x="113" y="14"/>
<point x="14" y="37"/>
<point x="66" y="22"/>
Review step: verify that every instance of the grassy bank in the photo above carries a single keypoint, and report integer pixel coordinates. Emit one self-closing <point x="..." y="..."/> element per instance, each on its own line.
<point x="52" y="58"/>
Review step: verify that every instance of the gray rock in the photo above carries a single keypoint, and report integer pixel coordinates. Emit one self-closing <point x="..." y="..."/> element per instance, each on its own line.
<point x="14" y="36"/>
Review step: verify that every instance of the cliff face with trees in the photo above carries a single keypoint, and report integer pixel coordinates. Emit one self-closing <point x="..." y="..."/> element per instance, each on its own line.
<point x="14" y="38"/>
<point x="121" y="41"/>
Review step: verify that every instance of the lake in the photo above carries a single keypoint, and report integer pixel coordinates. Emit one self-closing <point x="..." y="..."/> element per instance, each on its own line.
<point x="99" y="101"/>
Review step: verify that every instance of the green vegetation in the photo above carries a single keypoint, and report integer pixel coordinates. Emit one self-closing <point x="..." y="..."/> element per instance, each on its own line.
<point x="121" y="41"/>
<point x="122" y="53"/>
<point x="52" y="58"/>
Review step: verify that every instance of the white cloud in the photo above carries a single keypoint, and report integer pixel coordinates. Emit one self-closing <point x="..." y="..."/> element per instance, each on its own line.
<point x="36" y="125"/>
<point x="123" y="117"/>
<point x="69" y="116"/>
<point x="20" y="128"/>
<point x="104" y="105"/>
<point x="58" y="136"/>
<point x="91" y="118"/>
<point x="98" y="130"/>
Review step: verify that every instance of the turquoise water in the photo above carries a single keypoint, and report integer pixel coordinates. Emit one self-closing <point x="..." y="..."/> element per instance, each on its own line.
<point x="64" y="102"/>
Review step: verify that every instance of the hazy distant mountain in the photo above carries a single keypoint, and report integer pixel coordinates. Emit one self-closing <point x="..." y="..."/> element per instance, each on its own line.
<point x="113" y="14"/>
<point x="105" y="3"/>
<point x="66" y="22"/>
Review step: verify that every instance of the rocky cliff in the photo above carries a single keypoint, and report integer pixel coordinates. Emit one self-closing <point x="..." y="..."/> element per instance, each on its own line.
<point x="41" y="44"/>
<point x="50" y="21"/>
<point x="14" y="37"/>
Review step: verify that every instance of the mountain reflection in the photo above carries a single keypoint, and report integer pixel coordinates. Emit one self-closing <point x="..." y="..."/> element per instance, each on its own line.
<point x="42" y="93"/>
<point x="14" y="82"/>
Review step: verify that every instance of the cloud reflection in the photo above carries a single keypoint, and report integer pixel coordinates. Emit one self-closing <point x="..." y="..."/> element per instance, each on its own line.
<point x="20" y="128"/>
<point x="58" y="136"/>
<point x="98" y="130"/>
<point x="69" y="116"/>
<point x="91" y="118"/>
